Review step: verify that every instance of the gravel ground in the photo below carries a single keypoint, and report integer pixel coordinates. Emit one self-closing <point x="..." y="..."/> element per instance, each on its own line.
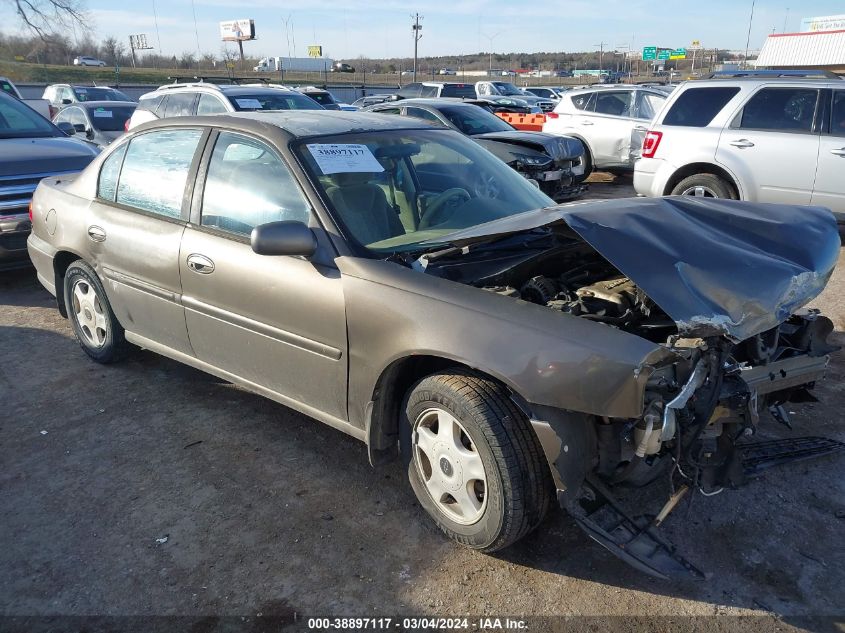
<point x="149" y="488"/>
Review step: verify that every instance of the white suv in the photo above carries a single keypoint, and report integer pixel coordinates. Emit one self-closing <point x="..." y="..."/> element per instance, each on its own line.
<point x="610" y="121"/>
<point x="203" y="98"/>
<point x="761" y="140"/>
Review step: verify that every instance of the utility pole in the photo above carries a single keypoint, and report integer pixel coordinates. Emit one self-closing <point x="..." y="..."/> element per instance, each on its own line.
<point x="600" y="46"/>
<point x="416" y="28"/>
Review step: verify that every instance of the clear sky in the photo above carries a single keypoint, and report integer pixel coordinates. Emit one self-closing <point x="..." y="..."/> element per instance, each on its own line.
<point x="348" y="29"/>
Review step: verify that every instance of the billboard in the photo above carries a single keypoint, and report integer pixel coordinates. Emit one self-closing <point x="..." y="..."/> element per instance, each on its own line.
<point x="824" y="23"/>
<point x="237" y="30"/>
<point x="315" y="51"/>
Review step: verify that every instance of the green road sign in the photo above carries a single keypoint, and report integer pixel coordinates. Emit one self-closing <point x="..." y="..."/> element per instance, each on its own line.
<point x="664" y="54"/>
<point x="678" y="53"/>
<point x="649" y="52"/>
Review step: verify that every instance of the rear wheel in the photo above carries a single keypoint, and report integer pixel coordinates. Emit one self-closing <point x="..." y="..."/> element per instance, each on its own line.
<point x="474" y="462"/>
<point x="705" y="186"/>
<point x="96" y="328"/>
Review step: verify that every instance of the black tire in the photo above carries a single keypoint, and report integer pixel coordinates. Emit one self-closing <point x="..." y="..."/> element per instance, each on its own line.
<point x="712" y="185"/>
<point x="113" y="346"/>
<point x="518" y="489"/>
<point x="588" y="165"/>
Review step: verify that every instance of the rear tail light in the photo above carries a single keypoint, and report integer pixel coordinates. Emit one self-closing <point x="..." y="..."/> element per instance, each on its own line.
<point x="126" y="126"/>
<point x="552" y="115"/>
<point x="52" y="111"/>
<point x="651" y="143"/>
<point x="30" y="211"/>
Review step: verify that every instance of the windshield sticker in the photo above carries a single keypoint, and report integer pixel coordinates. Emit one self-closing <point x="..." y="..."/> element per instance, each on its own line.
<point x="344" y="158"/>
<point x="103" y="114"/>
<point x="253" y="104"/>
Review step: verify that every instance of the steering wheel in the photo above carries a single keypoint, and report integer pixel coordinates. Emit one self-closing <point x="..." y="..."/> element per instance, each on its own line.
<point x="449" y="199"/>
<point x="487" y="187"/>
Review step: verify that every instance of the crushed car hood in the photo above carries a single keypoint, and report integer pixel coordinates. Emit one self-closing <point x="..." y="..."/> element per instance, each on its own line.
<point x="558" y="147"/>
<point x="716" y="267"/>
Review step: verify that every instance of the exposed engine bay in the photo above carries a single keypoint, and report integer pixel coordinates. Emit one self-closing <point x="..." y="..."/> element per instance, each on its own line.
<point x="699" y="410"/>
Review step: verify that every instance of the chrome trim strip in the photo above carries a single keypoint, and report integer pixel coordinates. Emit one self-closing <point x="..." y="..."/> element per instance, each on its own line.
<point x="283" y="336"/>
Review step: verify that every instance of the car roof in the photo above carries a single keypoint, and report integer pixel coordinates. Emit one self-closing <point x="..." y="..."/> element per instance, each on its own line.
<point x="104" y="104"/>
<point x="804" y="81"/>
<point x="432" y="103"/>
<point x="304" y="123"/>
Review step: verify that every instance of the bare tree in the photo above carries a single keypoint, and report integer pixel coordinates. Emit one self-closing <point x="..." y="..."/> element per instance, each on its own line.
<point x="187" y="60"/>
<point x="46" y="17"/>
<point x="112" y="50"/>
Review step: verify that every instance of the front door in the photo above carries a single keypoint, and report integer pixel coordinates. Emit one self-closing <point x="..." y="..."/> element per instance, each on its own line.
<point x="772" y="145"/>
<point x="278" y="323"/>
<point x="135" y="227"/>
<point x="829" y="189"/>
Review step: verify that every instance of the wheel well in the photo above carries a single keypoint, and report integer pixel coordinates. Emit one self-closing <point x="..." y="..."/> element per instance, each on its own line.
<point x="61" y="261"/>
<point x="389" y="394"/>
<point x="699" y="168"/>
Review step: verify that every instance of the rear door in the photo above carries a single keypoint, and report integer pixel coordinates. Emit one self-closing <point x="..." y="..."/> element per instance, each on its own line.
<point x="609" y="128"/>
<point x="829" y="188"/>
<point x="278" y="323"/>
<point x="772" y="144"/>
<point x="135" y="228"/>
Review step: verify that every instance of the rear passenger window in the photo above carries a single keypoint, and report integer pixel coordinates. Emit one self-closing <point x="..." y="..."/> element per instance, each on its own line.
<point x="209" y="104"/>
<point x="155" y="171"/>
<point x="419" y="113"/>
<point x="428" y="91"/>
<point x="697" y="107"/>
<point x="583" y="101"/>
<point x="180" y="104"/>
<point x="780" y="110"/>
<point x="837" y="121"/>
<point x="109" y="172"/>
<point x="613" y="103"/>
<point x="248" y="185"/>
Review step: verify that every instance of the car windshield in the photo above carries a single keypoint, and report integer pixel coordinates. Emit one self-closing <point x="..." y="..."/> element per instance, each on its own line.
<point x="273" y="101"/>
<point x="99" y="94"/>
<point x="506" y="88"/>
<point x="473" y="120"/>
<point x="323" y="98"/>
<point x="460" y="91"/>
<point x="390" y="191"/>
<point x="18" y="120"/>
<point x="110" y="118"/>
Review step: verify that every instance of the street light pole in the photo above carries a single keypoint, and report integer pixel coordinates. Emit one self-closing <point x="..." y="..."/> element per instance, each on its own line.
<point x="600" y="46"/>
<point x="748" y="38"/>
<point x="417" y="30"/>
<point x="490" y="39"/>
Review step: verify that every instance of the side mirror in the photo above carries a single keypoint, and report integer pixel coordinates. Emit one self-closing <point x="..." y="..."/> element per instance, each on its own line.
<point x="79" y="127"/>
<point x="283" y="238"/>
<point x="66" y="127"/>
<point x="66" y="101"/>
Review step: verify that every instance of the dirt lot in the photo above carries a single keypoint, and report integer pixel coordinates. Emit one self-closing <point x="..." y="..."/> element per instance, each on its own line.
<point x="148" y="488"/>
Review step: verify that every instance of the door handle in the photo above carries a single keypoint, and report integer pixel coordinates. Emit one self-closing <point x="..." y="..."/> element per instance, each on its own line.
<point x="585" y="122"/>
<point x="97" y="233"/>
<point x="838" y="152"/>
<point x="200" y="264"/>
<point x="742" y="143"/>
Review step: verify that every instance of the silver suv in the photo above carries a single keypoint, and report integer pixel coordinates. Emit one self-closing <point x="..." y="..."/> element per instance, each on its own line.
<point x="611" y="121"/>
<point x="757" y="139"/>
<point x="203" y="98"/>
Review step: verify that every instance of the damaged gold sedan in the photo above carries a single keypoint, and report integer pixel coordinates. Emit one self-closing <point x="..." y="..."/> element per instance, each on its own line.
<point x="401" y="284"/>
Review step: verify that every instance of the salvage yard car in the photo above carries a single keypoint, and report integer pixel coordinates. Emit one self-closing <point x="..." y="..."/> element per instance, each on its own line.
<point x="763" y="139"/>
<point x="31" y="148"/>
<point x="400" y="283"/>
<point x="556" y="163"/>
<point x="100" y="122"/>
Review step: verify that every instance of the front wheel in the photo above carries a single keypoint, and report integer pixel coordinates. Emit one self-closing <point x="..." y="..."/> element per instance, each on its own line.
<point x="96" y="328"/>
<point x="474" y="462"/>
<point x="705" y="186"/>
